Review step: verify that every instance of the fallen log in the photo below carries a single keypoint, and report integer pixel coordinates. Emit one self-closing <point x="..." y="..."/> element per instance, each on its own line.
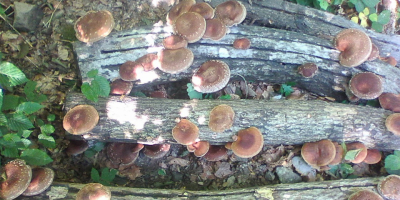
<point x="338" y="189"/>
<point x="148" y="120"/>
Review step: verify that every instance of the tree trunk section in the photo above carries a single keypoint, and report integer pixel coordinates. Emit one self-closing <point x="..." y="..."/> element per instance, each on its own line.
<point x="338" y="189"/>
<point x="290" y="122"/>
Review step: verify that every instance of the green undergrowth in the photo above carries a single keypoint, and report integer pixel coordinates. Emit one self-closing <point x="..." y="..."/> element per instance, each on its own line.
<point x="392" y="163"/>
<point x="99" y="86"/>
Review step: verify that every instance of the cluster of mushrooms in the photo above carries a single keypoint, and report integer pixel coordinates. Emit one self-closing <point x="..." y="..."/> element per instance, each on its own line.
<point x="388" y="189"/>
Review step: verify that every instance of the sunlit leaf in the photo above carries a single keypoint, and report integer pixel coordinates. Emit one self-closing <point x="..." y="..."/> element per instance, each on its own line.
<point x="373" y="17"/>
<point x="15" y="75"/>
<point x="19" y="122"/>
<point x="47" y="129"/>
<point x="104" y="86"/>
<point x="28" y="107"/>
<point x="88" y="92"/>
<point x="47" y="141"/>
<point x="36" y="157"/>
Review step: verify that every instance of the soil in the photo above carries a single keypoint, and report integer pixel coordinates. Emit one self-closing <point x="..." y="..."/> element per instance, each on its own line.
<point x="51" y="62"/>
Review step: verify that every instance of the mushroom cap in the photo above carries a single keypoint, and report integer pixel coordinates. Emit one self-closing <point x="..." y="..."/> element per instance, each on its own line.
<point x="156" y="150"/>
<point x="221" y="118"/>
<point x="365" y="195"/>
<point x="94" y="191"/>
<point x="318" y="153"/>
<point x="18" y="177"/>
<point x="149" y="62"/>
<point x="390" y="60"/>
<point x="393" y="123"/>
<point x="42" y="178"/>
<point x="94" y="26"/>
<point x="76" y="147"/>
<point x="175" y="60"/>
<point x="355" y="47"/>
<point x="190" y="26"/>
<point x="390" y="101"/>
<point x="177" y="10"/>
<point x="185" y="132"/>
<point x="212" y="76"/>
<point x="215" y="29"/>
<point x="338" y="155"/>
<point x="249" y="143"/>
<point x="174" y="42"/>
<point x="231" y="12"/>
<point x="242" y="43"/>
<point x="361" y="155"/>
<point x="121" y="87"/>
<point x="216" y="153"/>
<point x="199" y="148"/>
<point x="389" y="188"/>
<point x="228" y="145"/>
<point x="373" y="156"/>
<point x="123" y="153"/>
<point x="374" y="53"/>
<point x="81" y="119"/>
<point x="307" y="70"/>
<point x="366" y="85"/>
<point x="130" y="71"/>
<point x="204" y="9"/>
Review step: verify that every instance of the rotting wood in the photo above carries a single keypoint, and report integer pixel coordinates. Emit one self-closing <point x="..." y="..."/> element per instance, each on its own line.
<point x="323" y="190"/>
<point x="287" y="122"/>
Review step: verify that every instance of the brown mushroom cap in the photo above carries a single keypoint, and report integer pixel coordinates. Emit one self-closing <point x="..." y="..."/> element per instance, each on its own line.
<point x="204" y="9"/>
<point x="355" y="47"/>
<point x="177" y="10"/>
<point x="216" y="153"/>
<point x="18" y="175"/>
<point x="389" y="188"/>
<point x="76" y="147"/>
<point x="374" y="53"/>
<point x="242" y="43"/>
<point x="365" y="195"/>
<point x="249" y="143"/>
<point x="94" y="26"/>
<point x="231" y="12"/>
<point x="190" y="26"/>
<point x="175" y="42"/>
<point x="94" y="191"/>
<point x="156" y="150"/>
<point x="81" y="119"/>
<point x="215" y="29"/>
<point x="149" y="62"/>
<point x="199" y="148"/>
<point x="373" y="156"/>
<point x="123" y="153"/>
<point x="221" y="118"/>
<point x="185" y="132"/>
<point x="130" y="71"/>
<point x="42" y="178"/>
<point x="307" y="70"/>
<point x="121" y="87"/>
<point x="390" y="101"/>
<point x="228" y="145"/>
<point x="390" y="60"/>
<point x="175" y="60"/>
<point x="212" y="76"/>
<point x="361" y="155"/>
<point x="338" y="155"/>
<point x="318" y="153"/>
<point x="393" y="123"/>
<point x="366" y="85"/>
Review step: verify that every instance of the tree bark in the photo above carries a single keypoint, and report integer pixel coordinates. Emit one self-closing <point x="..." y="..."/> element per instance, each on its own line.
<point x="148" y="120"/>
<point x="338" y="189"/>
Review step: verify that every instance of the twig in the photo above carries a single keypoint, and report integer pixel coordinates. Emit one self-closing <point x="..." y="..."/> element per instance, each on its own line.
<point x="47" y="24"/>
<point x="23" y="37"/>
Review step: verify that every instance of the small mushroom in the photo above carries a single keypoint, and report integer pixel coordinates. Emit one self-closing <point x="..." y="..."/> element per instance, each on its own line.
<point x="174" y="42"/>
<point x="123" y="153"/>
<point x="242" y="43"/>
<point x="156" y="151"/>
<point x="228" y="145"/>
<point x="94" y="26"/>
<point x="212" y="76"/>
<point x="42" y="178"/>
<point x="216" y="153"/>
<point x="373" y="156"/>
<point x="390" y="60"/>
<point x="81" y="119"/>
<point x="393" y="123"/>
<point x="366" y="85"/>
<point x="131" y="71"/>
<point x="199" y="148"/>
<point x="121" y="87"/>
<point x="185" y="132"/>
<point x="174" y="61"/>
<point x="204" y="9"/>
<point x="365" y="195"/>
<point x="319" y="153"/>
<point x="390" y="101"/>
<point x="76" y="147"/>
<point x="215" y="29"/>
<point x="17" y="175"/>
<point x="94" y="191"/>
<point x="180" y="8"/>
<point x="358" y="146"/>
<point x="221" y="118"/>
<point x="355" y="47"/>
<point x="149" y="62"/>
<point x="374" y="53"/>
<point x="249" y="142"/>
<point x="389" y="188"/>
<point x="307" y="70"/>
<point x="231" y="12"/>
<point x="338" y="155"/>
<point x="190" y="26"/>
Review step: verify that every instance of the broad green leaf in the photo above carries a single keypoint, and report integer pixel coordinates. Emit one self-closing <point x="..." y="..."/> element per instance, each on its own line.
<point x="377" y="27"/>
<point x="225" y="97"/>
<point x="47" y="141"/>
<point x="346" y="170"/>
<point x="47" y="129"/>
<point x="108" y="174"/>
<point x="39" y="122"/>
<point x="286" y="90"/>
<point x="28" y="107"/>
<point x="95" y="87"/>
<point x="12" y="137"/>
<point x="392" y="162"/>
<point x="323" y="4"/>
<point x="355" y="19"/>
<point x="94" y="174"/>
<point x="138" y="94"/>
<point x="51" y="117"/>
<point x="36" y="157"/>
<point x="384" y="17"/>
<point x="373" y="17"/>
<point x="88" y="92"/>
<point x="25" y="133"/>
<point x="161" y="172"/>
<point x="92" y="73"/>
<point x="7" y="143"/>
<point x="193" y="94"/>
<point x="31" y="94"/>
<point x="11" y="152"/>
<point x="396" y="153"/>
<point x="354" y="1"/>
<point x="19" y="122"/>
<point x="15" y="75"/>
<point x="359" y="6"/>
<point x="99" y="146"/>
<point x="352" y="154"/>
<point x="10" y="102"/>
<point x="365" y="11"/>
<point x="1" y="98"/>
<point x="90" y="153"/>
<point x="337" y="2"/>
<point x="3" y="119"/>
<point x="104" y="86"/>
<point x="370" y="3"/>
<point x="26" y="142"/>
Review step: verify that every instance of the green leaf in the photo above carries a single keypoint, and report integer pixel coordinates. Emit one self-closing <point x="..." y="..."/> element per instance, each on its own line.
<point x="92" y="73"/>
<point x="225" y="97"/>
<point x="31" y="94"/>
<point x="373" y="103"/>
<point x="1" y="98"/>
<point x="161" y="172"/>
<point x="94" y="174"/>
<point x="337" y="2"/>
<point x="359" y="6"/>
<point x="138" y="94"/>
<point x="397" y="153"/>
<point x="370" y="3"/>
<point x="286" y="90"/>
<point x="19" y="122"/>
<point x="15" y="75"/>
<point x="193" y="94"/>
<point x="377" y="27"/>
<point x="36" y="157"/>
<point x="51" y="117"/>
<point x="88" y="92"/>
<point x="99" y="146"/>
<point x="373" y="17"/>
<point x="10" y="102"/>
<point x="384" y="17"/>
<point x="104" y="86"/>
<point x="47" y="141"/>
<point x="305" y="2"/>
<point x="90" y="153"/>
<point x="346" y="170"/>
<point x="28" y="107"/>
<point x="392" y="162"/>
<point x="3" y="119"/>
<point x="25" y="133"/>
<point x="323" y="4"/>
<point x="352" y="154"/>
<point x="47" y="129"/>
<point x="11" y="152"/>
<point x="26" y="142"/>
<point x="108" y="175"/>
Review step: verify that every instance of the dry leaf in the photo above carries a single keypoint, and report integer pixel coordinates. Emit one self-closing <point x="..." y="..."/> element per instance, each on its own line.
<point x="179" y="161"/>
